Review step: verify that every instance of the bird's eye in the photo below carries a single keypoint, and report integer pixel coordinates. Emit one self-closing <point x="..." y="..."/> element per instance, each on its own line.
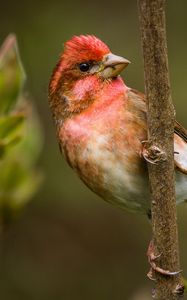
<point x="84" y="67"/>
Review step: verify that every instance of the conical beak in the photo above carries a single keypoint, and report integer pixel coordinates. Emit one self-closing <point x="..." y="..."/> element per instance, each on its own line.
<point x="113" y="65"/>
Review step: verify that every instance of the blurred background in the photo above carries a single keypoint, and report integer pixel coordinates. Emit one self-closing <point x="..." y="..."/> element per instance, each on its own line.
<point x="68" y="244"/>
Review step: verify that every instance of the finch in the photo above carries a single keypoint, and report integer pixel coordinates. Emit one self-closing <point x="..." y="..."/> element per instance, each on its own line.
<point x="101" y="124"/>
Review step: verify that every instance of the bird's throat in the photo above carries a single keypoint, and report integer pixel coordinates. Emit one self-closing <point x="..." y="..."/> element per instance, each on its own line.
<point x="93" y="89"/>
<point x="84" y="94"/>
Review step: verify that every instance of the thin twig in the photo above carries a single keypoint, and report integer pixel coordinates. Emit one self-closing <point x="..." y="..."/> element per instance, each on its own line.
<point x="161" y="119"/>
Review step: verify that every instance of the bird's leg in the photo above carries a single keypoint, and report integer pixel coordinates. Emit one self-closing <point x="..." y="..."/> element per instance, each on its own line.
<point x="154" y="268"/>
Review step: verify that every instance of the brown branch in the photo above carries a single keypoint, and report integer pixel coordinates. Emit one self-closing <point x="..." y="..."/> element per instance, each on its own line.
<point x="159" y="150"/>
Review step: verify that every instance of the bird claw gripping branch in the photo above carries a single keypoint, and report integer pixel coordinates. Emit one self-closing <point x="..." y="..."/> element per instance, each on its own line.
<point x="154" y="267"/>
<point x="152" y="153"/>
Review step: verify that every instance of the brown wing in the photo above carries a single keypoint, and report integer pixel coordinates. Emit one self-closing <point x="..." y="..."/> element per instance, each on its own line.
<point x="180" y="147"/>
<point x="180" y="131"/>
<point x="180" y="137"/>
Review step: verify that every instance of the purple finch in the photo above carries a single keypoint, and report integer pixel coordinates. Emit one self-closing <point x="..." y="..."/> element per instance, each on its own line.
<point x="101" y="124"/>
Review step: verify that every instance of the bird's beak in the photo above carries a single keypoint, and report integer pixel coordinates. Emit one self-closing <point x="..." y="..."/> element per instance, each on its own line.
<point x="112" y="65"/>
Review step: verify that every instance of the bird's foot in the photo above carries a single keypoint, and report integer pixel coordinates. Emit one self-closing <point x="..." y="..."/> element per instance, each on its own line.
<point x="154" y="267"/>
<point x="152" y="153"/>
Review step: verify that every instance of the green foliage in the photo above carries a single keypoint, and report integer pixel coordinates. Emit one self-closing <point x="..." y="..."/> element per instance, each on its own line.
<point x="20" y="135"/>
<point x="12" y="76"/>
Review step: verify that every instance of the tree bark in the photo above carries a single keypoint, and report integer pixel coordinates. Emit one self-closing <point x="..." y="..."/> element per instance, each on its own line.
<point x="159" y="150"/>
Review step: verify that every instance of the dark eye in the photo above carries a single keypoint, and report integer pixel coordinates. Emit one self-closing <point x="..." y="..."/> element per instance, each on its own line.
<point x="84" y="67"/>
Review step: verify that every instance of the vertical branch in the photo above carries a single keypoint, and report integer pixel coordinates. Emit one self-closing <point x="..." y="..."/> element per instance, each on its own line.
<point x="159" y="148"/>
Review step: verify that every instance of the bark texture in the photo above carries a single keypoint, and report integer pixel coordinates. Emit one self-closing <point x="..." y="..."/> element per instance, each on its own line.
<point x="159" y="148"/>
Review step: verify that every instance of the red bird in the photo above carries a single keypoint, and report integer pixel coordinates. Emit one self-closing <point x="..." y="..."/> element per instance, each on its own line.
<point x="101" y="124"/>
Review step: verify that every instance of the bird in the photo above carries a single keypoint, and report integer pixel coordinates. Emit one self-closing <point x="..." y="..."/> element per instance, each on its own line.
<point x="101" y="125"/>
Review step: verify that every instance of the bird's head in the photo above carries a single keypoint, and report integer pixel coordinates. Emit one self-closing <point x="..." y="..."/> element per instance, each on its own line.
<point x="86" y="60"/>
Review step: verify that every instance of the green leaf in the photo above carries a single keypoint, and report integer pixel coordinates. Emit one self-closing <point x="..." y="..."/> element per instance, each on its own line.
<point x="5" y="146"/>
<point x="19" y="126"/>
<point x="32" y="141"/>
<point x="12" y="75"/>
<point x="2" y="149"/>
<point x="10" y="125"/>
<point x="17" y="183"/>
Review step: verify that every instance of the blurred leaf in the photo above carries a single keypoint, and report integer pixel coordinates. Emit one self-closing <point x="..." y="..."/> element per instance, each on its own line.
<point x="10" y="125"/>
<point x="10" y="132"/>
<point x="32" y="141"/>
<point x="12" y="76"/>
<point x="2" y="149"/>
<point x="5" y="146"/>
<point x="17" y="183"/>
<point x="19" y="126"/>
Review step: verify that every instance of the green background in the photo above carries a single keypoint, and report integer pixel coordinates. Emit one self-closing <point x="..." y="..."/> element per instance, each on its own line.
<point x="68" y="244"/>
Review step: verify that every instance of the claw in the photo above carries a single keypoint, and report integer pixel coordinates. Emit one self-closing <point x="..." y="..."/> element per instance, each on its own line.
<point x="151" y="258"/>
<point x="150" y="275"/>
<point x="146" y="154"/>
<point x="152" y="153"/>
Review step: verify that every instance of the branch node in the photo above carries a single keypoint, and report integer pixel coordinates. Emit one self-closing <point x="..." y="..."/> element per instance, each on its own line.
<point x="152" y="153"/>
<point x="179" y="290"/>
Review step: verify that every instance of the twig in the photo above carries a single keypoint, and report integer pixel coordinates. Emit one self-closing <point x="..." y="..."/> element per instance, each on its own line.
<point x="159" y="150"/>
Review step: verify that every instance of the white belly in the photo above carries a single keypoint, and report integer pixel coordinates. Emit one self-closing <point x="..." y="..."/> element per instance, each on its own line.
<point x="119" y="186"/>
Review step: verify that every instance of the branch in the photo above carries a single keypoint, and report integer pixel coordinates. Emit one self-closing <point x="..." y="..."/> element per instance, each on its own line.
<point x="159" y="149"/>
